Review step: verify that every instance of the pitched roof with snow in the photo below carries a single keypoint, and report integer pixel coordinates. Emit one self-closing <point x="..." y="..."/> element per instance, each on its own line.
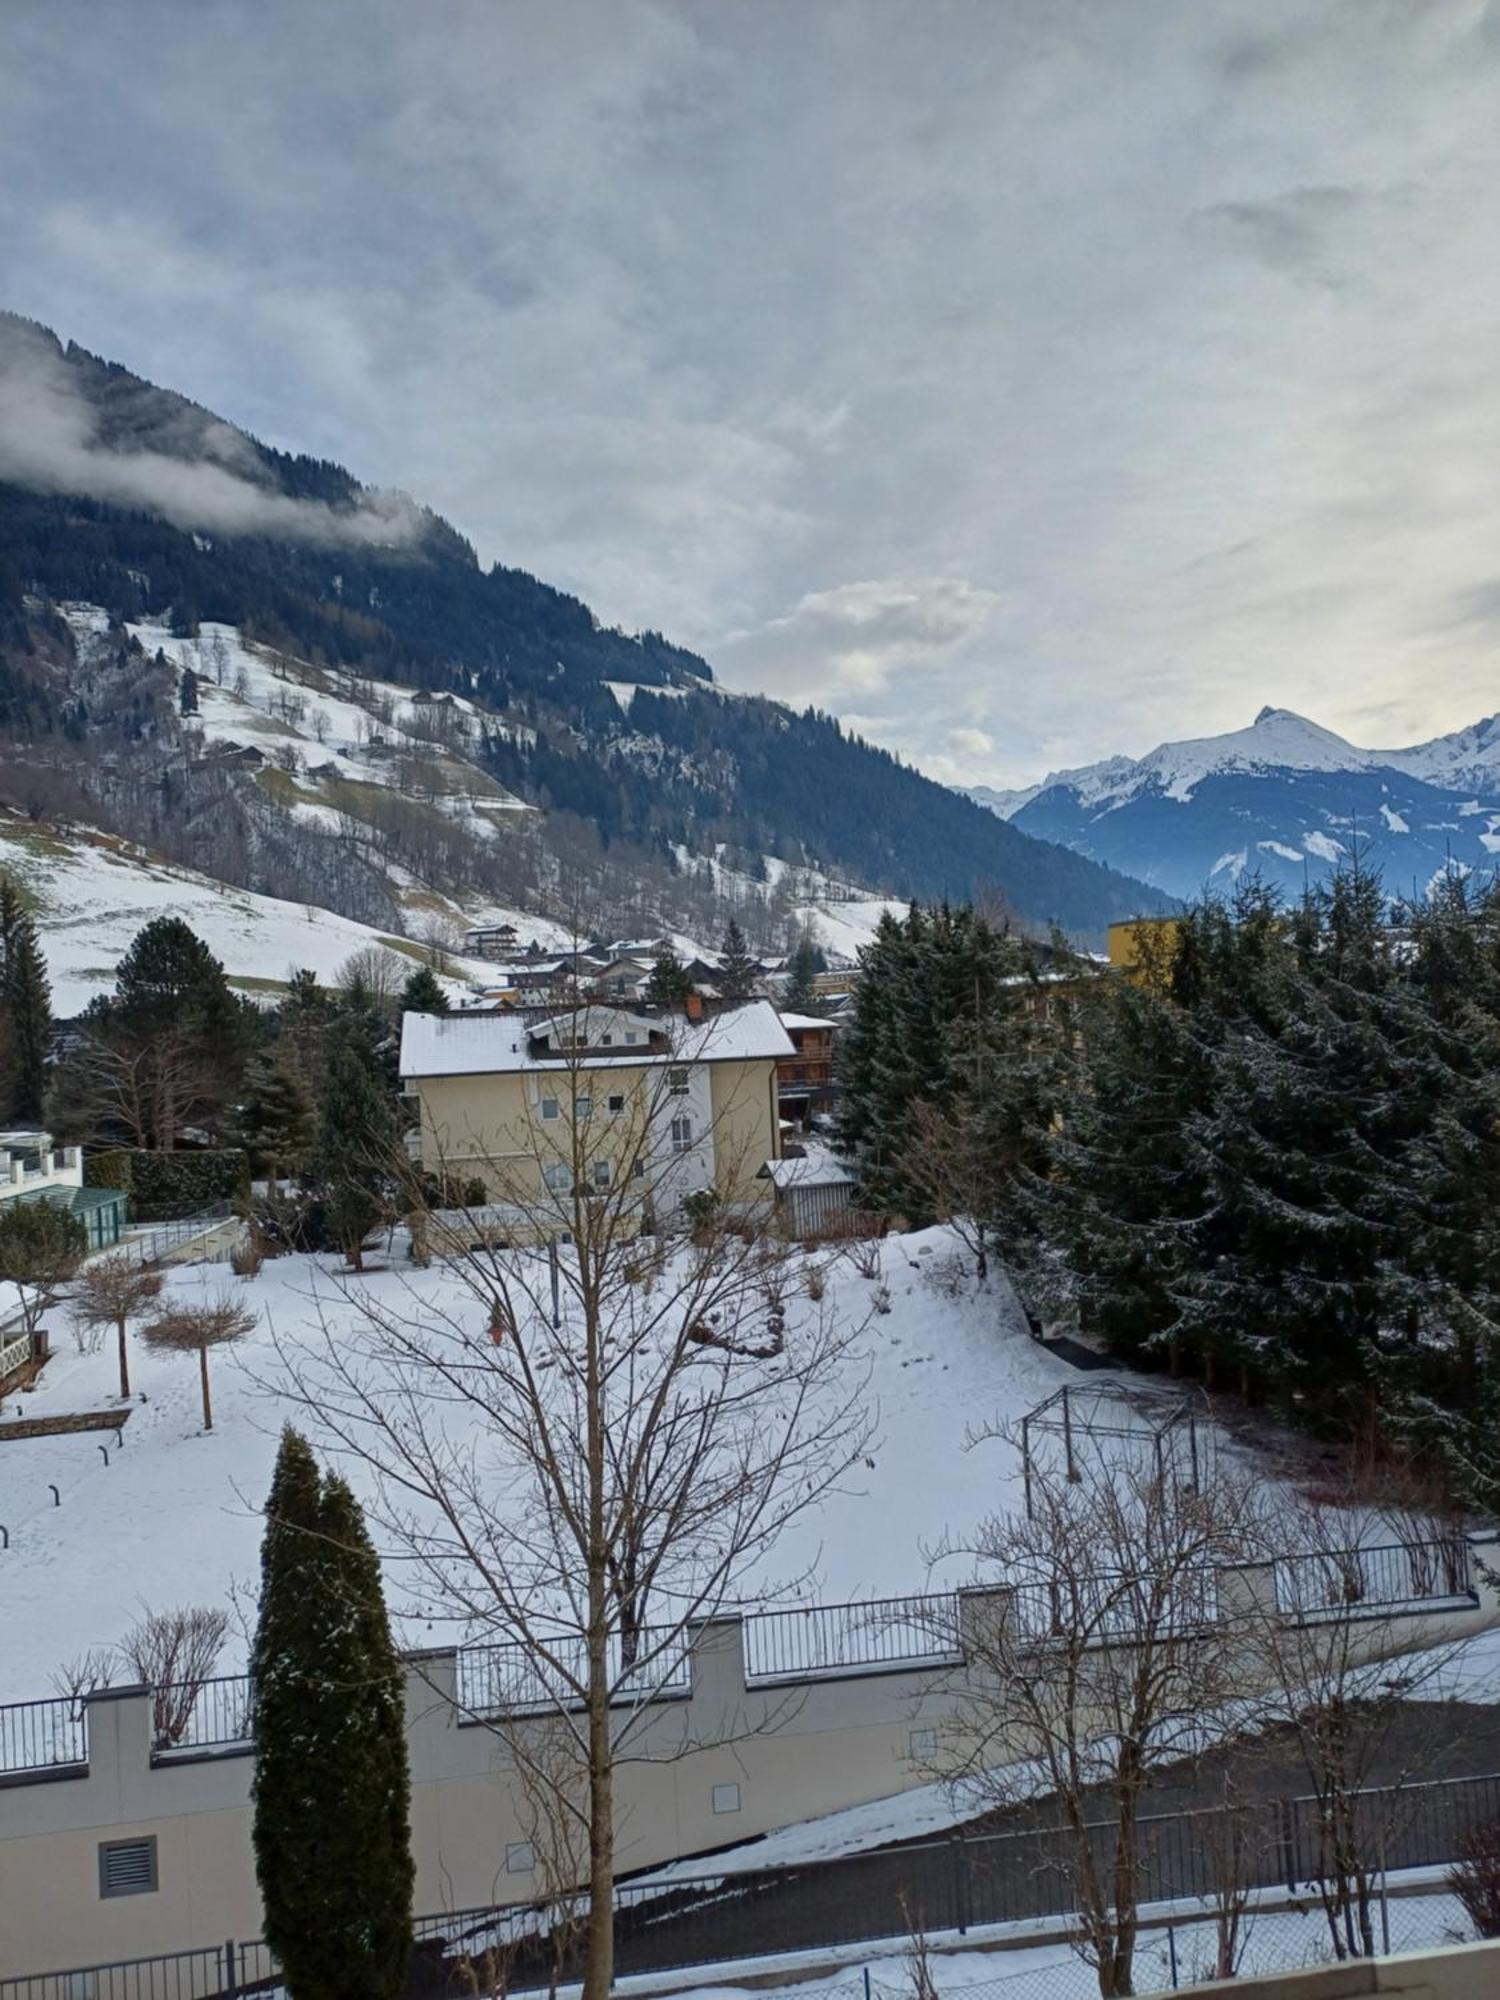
<point x="498" y="1044"/>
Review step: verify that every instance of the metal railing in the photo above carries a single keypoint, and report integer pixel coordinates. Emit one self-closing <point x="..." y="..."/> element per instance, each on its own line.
<point x="158" y="1240"/>
<point x="203" y="1715"/>
<point x="805" y="1642"/>
<point x="1331" y="1580"/>
<point x="37" y="1734"/>
<point x="842" y="1638"/>
<point x="516" y="1679"/>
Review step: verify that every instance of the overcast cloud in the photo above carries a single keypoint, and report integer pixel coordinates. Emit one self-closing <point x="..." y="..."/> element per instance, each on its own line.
<point x="1026" y="380"/>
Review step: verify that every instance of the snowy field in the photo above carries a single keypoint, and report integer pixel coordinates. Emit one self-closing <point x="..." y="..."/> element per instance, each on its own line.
<point x="172" y="1517"/>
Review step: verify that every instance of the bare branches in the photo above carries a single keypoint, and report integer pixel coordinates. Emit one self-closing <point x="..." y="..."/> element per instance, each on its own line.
<point x="197" y="1328"/>
<point x="173" y="1653"/>
<point x="111" y="1292"/>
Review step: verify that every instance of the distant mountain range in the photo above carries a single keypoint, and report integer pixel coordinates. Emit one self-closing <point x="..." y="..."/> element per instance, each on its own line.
<point x="1285" y="799"/>
<point x="643" y="774"/>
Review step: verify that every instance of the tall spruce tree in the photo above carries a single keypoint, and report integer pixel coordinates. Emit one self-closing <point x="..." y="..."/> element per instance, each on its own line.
<point x="737" y="970"/>
<point x="332" y="1790"/>
<point x="25" y="1012"/>
<point x="800" y="993"/>
<point x="278" y="1119"/>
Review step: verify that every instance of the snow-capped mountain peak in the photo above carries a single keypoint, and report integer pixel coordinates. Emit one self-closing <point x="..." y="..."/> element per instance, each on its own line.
<point x="1284" y="797"/>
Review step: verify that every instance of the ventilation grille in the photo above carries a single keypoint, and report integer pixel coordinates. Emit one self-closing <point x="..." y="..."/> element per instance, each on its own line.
<point x="127" y="1867"/>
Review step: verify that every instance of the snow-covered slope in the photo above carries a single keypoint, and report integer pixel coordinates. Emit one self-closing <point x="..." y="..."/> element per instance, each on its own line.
<point x="1285" y="798"/>
<point x="93" y="894"/>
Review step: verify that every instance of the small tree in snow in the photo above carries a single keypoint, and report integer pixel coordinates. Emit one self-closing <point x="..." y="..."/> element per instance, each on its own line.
<point x="42" y="1245"/>
<point x="113" y="1292"/>
<point x="195" y="1329"/>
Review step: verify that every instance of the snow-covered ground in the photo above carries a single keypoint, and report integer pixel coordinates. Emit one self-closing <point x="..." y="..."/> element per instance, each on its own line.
<point x="93" y="895"/>
<point x="173" y="1516"/>
<point x="1177" y="1950"/>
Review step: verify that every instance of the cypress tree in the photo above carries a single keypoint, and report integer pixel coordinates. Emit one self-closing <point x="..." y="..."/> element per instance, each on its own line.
<point x="737" y="974"/>
<point x="356" y="1135"/>
<point x="331" y="1830"/>
<point x="25" y="1012"/>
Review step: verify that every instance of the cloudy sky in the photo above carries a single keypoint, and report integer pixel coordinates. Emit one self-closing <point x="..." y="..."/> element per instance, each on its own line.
<point x="1025" y="380"/>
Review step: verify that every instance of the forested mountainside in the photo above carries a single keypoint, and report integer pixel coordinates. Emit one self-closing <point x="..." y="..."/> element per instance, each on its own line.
<point x="130" y="499"/>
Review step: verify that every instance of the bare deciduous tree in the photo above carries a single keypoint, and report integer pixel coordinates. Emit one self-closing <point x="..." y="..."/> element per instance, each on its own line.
<point x="1320" y="1645"/>
<point x="195" y="1329"/>
<point x="1096" y="1662"/>
<point x="112" y="1292"/>
<point x="584" y="1475"/>
<point x="173" y="1653"/>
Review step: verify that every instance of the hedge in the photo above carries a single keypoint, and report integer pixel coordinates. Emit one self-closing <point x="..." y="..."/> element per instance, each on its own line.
<point x="163" y="1185"/>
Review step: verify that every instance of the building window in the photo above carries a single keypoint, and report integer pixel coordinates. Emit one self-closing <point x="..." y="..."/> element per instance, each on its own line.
<point x="921" y="1745"/>
<point x="606" y="1041"/>
<point x="550" y="1109"/>
<point x="638" y="1170"/>
<point x="682" y="1135"/>
<point x="616" y="1103"/>
<point x="558" y="1176"/>
<point x="677" y="1082"/>
<point x="726" y="1798"/>
<point x="583" y="1107"/>
<point x="631" y="1038"/>
<point x="520" y="1857"/>
<point x="601" y="1173"/>
<point x="127" y="1867"/>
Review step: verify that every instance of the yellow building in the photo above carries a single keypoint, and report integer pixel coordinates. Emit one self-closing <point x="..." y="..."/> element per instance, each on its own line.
<point x="617" y="1103"/>
<point x="1143" y="947"/>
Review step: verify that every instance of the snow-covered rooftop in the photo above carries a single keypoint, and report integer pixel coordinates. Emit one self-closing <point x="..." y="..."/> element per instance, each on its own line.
<point x="807" y="1021"/>
<point x="496" y="1044"/>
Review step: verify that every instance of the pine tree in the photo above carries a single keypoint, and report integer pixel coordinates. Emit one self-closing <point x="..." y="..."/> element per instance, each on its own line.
<point x="422" y="994"/>
<point x="356" y="1135"/>
<point x="187" y="692"/>
<point x="737" y="970"/>
<point x="25" y="1012"/>
<point x="669" y="984"/>
<point x="800" y="994"/>
<point x="332" y="1791"/>
<point x="278" y="1120"/>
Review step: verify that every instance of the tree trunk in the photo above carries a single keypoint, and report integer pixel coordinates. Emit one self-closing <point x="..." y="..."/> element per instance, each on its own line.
<point x="599" y="1971"/>
<point x="124" y="1360"/>
<point x="208" y="1408"/>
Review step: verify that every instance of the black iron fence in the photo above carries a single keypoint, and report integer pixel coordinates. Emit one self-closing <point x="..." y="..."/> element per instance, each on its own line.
<point x="952" y="1884"/>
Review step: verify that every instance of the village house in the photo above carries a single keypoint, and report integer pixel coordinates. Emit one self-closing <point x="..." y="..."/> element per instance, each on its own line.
<point x="805" y="1088"/>
<point x="542" y="1107"/>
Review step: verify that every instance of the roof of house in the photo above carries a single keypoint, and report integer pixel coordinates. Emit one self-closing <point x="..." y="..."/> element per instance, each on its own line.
<point x="815" y="1170"/>
<point x="808" y="1021"/>
<point x="496" y="1044"/>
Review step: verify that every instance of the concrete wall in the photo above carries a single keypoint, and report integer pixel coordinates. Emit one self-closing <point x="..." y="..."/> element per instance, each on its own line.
<point x="795" y="1747"/>
<point x="1457" y="1972"/>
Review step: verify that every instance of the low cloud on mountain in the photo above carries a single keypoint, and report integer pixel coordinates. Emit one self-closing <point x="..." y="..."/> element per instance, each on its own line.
<point x="208" y="476"/>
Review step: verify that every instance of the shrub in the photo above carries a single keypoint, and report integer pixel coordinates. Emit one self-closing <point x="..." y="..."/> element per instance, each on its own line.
<point x="179" y="1183"/>
<point x="246" y="1258"/>
<point x="1475" y="1879"/>
<point x="109" y="1169"/>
